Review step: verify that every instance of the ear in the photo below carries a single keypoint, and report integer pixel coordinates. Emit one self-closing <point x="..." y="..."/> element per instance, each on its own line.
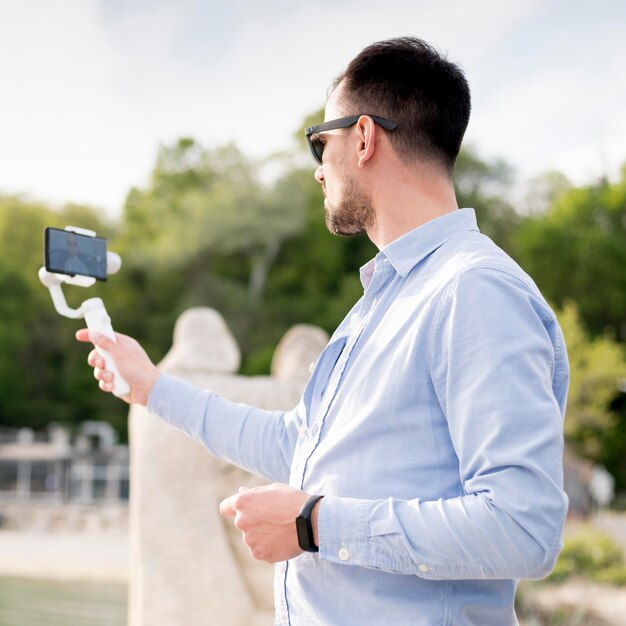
<point x="366" y="135"/>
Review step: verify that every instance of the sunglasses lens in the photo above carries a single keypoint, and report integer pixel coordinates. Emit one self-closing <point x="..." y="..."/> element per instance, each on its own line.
<point x="317" y="147"/>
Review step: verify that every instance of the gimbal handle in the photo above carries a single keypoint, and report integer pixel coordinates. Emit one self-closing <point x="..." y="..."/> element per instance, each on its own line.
<point x="93" y="310"/>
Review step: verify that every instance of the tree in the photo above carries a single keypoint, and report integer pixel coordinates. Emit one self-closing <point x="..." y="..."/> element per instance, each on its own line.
<point x="544" y="190"/>
<point x="577" y="250"/>
<point x="596" y="367"/>
<point x="485" y="187"/>
<point x="209" y="203"/>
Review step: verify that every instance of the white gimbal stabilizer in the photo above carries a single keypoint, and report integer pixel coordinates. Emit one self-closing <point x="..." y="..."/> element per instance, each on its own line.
<point x="92" y="310"/>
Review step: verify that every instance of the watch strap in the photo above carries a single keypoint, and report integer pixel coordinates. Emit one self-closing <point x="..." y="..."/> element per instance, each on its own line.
<point x="304" y="528"/>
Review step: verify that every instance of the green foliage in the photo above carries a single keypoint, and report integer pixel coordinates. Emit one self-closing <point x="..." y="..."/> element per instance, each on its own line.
<point x="205" y="211"/>
<point x="206" y="200"/>
<point x="484" y="186"/>
<point x="612" y="444"/>
<point x="577" y="250"/>
<point x="544" y="190"/>
<point x="596" y="365"/>
<point x="43" y="375"/>
<point x="315" y="279"/>
<point x="593" y="555"/>
<point x="209" y="230"/>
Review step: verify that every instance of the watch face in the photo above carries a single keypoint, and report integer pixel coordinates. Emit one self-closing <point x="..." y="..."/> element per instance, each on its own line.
<point x="304" y="529"/>
<point x="303" y="534"/>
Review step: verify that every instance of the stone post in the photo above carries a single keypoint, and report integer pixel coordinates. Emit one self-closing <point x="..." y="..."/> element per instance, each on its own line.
<point x="188" y="565"/>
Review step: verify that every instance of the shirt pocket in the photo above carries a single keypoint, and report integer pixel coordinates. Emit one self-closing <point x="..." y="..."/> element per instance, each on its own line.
<point x="324" y="366"/>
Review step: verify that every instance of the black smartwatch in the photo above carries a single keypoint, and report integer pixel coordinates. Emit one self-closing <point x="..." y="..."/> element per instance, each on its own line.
<point x="304" y="527"/>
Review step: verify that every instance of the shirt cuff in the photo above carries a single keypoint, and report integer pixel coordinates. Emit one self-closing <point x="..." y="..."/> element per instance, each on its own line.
<point x="342" y="530"/>
<point x="351" y="532"/>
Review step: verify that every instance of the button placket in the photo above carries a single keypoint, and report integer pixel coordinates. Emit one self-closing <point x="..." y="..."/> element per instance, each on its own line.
<point x="361" y="318"/>
<point x="329" y="395"/>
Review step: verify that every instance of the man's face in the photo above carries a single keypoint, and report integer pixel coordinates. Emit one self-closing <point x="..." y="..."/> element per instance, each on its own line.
<point x="72" y="245"/>
<point x="349" y="209"/>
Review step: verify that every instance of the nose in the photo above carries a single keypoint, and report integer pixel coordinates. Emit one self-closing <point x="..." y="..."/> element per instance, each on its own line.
<point x="319" y="174"/>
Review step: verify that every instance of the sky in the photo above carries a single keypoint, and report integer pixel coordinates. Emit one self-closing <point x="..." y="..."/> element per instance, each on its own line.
<point x="89" y="89"/>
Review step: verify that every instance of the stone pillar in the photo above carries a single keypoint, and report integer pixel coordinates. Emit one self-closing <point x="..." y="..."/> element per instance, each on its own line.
<point x="188" y="565"/>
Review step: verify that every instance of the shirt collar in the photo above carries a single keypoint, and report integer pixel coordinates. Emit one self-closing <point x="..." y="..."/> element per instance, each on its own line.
<point x="408" y="250"/>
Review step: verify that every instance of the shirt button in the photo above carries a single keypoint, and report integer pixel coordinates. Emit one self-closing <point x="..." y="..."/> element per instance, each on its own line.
<point x="344" y="554"/>
<point x="423" y="568"/>
<point x="303" y="431"/>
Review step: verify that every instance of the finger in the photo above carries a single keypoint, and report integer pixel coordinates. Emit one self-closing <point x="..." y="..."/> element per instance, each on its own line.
<point x="228" y="506"/>
<point x="95" y="360"/>
<point x="242" y="523"/>
<point x="106" y="386"/>
<point x="104" y="378"/>
<point x="83" y="334"/>
<point x="102" y="374"/>
<point x="100" y="340"/>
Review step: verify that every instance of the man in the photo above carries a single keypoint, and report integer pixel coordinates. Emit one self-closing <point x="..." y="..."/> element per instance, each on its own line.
<point x="432" y="422"/>
<point x="74" y="264"/>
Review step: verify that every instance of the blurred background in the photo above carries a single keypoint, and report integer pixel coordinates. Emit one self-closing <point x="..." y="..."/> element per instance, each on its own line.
<point x="174" y="129"/>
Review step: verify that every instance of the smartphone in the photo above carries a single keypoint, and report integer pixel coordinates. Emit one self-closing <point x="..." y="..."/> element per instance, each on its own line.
<point x="67" y="252"/>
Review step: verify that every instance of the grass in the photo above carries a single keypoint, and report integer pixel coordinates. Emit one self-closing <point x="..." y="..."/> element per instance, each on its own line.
<point x="26" y="602"/>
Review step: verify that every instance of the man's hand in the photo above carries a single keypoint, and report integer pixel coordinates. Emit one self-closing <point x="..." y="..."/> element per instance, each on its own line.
<point x="266" y="517"/>
<point x="131" y="360"/>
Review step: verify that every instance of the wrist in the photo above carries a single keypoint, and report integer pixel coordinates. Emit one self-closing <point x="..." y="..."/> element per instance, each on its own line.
<point x="155" y="374"/>
<point x="148" y="385"/>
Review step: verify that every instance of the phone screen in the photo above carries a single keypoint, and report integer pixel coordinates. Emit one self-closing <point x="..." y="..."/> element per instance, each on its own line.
<point x="71" y="253"/>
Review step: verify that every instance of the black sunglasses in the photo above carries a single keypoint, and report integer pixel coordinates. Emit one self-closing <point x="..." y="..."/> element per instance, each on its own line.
<point x="316" y="144"/>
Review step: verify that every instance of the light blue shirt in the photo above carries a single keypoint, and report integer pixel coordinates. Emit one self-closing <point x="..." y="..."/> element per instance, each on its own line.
<point x="433" y="425"/>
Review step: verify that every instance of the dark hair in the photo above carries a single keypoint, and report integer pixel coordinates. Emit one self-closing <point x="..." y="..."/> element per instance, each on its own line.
<point x="407" y="81"/>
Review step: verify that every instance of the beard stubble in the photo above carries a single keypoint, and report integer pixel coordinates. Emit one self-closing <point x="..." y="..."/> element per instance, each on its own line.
<point x="352" y="215"/>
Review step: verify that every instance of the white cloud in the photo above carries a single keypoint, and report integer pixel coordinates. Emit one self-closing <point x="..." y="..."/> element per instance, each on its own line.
<point x="55" y="68"/>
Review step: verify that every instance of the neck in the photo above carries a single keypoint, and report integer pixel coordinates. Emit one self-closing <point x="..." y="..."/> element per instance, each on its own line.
<point x="407" y="198"/>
